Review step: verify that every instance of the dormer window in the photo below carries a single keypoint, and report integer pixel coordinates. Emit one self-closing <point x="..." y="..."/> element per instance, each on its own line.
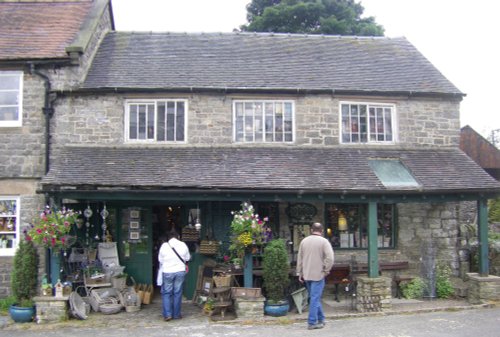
<point x="150" y="121"/>
<point x="363" y="123"/>
<point x="11" y="98"/>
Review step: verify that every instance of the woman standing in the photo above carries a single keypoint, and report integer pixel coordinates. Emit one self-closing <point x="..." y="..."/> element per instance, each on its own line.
<point x="173" y="256"/>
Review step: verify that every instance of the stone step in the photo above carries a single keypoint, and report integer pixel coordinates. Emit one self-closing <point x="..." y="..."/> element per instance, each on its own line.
<point x="461" y="287"/>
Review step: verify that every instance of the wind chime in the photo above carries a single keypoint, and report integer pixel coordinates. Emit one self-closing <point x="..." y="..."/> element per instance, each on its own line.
<point x="87" y="213"/>
<point x="104" y="214"/>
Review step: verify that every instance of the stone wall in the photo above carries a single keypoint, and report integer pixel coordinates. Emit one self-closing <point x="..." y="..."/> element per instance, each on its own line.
<point x="429" y="231"/>
<point x="22" y="148"/>
<point x="99" y="119"/>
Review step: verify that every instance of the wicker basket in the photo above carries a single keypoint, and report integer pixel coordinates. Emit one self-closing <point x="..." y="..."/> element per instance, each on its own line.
<point x="222" y="280"/>
<point x="209" y="247"/>
<point x="98" y="297"/>
<point x="132" y="308"/>
<point x="190" y="234"/>
<point x="110" y="308"/>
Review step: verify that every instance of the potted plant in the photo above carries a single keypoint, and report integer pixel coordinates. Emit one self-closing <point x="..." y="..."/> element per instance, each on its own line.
<point x="119" y="281"/>
<point x="24" y="281"/>
<point x="248" y="231"/>
<point x="275" y="274"/>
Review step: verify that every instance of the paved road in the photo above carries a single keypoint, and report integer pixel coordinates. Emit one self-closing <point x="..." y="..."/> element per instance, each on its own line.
<point x="466" y="323"/>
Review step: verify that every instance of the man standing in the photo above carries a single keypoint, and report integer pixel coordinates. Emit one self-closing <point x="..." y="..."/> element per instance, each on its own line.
<point x="314" y="261"/>
<point x="173" y="256"/>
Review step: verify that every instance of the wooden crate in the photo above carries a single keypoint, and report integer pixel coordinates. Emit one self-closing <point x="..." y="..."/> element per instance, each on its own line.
<point x="240" y="292"/>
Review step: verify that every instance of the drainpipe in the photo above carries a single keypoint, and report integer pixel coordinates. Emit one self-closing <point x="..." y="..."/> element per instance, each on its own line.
<point x="48" y="111"/>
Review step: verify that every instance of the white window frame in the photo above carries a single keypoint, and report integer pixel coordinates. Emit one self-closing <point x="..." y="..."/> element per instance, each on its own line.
<point x="19" y="121"/>
<point x="368" y="106"/>
<point x="11" y="251"/>
<point x="263" y="121"/>
<point x="154" y="102"/>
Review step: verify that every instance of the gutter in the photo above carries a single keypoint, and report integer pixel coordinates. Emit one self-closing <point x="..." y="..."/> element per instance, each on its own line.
<point x="47" y="110"/>
<point x="251" y="90"/>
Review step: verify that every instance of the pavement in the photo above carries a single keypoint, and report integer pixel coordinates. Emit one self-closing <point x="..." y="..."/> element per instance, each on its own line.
<point x="150" y="315"/>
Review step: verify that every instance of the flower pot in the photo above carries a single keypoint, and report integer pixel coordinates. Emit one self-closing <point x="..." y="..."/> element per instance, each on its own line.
<point x="276" y="309"/>
<point x="22" y="314"/>
<point x="119" y="282"/>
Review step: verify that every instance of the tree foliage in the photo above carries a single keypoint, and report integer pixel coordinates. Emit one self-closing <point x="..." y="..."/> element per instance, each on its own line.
<point x="334" y="17"/>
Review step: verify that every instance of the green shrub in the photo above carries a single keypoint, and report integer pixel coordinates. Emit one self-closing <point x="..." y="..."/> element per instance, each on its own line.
<point x="5" y="304"/>
<point x="494" y="210"/>
<point x="275" y="269"/>
<point x="444" y="288"/>
<point x="413" y="289"/>
<point x="24" y="278"/>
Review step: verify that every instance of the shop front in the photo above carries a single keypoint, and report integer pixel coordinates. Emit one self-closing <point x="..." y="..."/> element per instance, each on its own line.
<point x="367" y="212"/>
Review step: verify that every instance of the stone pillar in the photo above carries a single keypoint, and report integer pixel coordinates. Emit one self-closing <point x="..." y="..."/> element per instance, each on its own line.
<point x="249" y="308"/>
<point x="51" y="309"/>
<point x="373" y="294"/>
<point x="483" y="288"/>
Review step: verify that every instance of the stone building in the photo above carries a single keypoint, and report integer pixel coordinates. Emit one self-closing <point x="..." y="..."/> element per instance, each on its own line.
<point x="40" y="54"/>
<point x="163" y="130"/>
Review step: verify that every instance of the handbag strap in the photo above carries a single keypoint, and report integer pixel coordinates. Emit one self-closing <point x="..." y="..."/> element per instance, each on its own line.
<point x="176" y="253"/>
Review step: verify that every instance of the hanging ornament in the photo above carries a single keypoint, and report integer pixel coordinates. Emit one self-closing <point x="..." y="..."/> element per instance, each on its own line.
<point x="104" y="214"/>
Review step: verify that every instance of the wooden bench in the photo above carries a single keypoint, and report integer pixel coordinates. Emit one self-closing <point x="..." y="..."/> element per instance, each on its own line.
<point x="339" y="274"/>
<point x="346" y="273"/>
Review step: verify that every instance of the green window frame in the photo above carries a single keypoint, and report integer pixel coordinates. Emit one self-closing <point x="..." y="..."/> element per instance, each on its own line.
<point x="347" y="225"/>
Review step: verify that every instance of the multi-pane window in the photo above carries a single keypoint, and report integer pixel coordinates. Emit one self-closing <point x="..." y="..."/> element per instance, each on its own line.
<point x="11" y="98"/>
<point x="347" y="225"/>
<point x="156" y="120"/>
<point x="367" y="123"/>
<point x="9" y="225"/>
<point x="263" y="121"/>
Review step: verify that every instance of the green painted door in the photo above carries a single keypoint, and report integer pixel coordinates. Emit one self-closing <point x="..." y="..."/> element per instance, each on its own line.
<point x="135" y="243"/>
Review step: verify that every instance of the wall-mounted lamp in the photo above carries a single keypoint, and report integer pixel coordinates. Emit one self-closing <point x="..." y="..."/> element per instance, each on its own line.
<point x="342" y="222"/>
<point x="197" y="224"/>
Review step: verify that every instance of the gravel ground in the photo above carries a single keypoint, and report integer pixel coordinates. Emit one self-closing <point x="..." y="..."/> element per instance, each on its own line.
<point x="150" y="315"/>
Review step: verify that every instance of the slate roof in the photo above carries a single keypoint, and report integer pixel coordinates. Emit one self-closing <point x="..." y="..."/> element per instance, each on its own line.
<point x="262" y="168"/>
<point x="263" y="61"/>
<point x="40" y="30"/>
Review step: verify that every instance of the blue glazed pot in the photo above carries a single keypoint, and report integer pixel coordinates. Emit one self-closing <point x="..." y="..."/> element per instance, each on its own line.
<point x="22" y="314"/>
<point x="276" y="309"/>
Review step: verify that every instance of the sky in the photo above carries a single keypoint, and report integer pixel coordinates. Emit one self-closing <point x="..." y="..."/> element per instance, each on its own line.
<point x="460" y="37"/>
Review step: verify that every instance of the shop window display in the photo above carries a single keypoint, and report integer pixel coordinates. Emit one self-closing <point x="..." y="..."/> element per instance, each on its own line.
<point x="347" y="225"/>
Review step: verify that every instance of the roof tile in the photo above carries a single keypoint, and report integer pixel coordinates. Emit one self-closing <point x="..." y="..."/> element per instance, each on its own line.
<point x="263" y="61"/>
<point x="39" y="30"/>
